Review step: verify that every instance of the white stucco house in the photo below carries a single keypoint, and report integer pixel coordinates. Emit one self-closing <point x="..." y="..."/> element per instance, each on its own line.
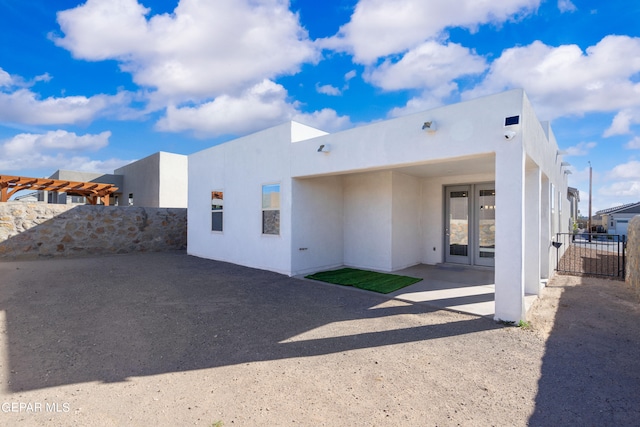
<point x="159" y="180"/>
<point x="478" y="183"/>
<point x="616" y="220"/>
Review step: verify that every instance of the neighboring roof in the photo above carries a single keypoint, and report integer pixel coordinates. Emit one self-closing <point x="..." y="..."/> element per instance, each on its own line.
<point x="93" y="191"/>
<point x="628" y="208"/>
<point x="574" y="192"/>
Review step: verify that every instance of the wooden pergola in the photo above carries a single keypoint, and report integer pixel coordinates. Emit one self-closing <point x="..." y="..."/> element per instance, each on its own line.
<point x="93" y="191"/>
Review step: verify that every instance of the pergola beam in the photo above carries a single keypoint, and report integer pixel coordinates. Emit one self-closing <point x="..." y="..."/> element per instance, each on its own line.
<point x="9" y="185"/>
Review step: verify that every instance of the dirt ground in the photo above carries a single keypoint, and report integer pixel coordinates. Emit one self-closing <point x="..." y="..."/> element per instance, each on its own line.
<point x="167" y="339"/>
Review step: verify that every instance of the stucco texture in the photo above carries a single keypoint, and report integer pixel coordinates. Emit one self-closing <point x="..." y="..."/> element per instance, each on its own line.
<point x="633" y="254"/>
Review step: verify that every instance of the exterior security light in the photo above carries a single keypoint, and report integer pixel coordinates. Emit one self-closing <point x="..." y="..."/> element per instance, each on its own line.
<point x="565" y="164"/>
<point x="429" y="126"/>
<point x="509" y="135"/>
<point x="324" y="148"/>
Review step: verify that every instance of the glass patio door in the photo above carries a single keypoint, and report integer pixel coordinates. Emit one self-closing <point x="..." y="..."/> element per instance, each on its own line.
<point x="457" y="224"/>
<point x="485" y="212"/>
<point x="470" y="227"/>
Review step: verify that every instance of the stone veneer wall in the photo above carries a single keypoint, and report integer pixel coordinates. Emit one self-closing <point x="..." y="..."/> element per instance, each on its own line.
<point x="633" y="254"/>
<point x="32" y="230"/>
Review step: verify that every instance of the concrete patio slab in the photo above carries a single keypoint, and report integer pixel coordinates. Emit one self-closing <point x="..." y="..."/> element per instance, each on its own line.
<point x="453" y="287"/>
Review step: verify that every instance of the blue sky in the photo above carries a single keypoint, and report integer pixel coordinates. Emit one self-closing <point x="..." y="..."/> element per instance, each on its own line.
<point x="94" y="85"/>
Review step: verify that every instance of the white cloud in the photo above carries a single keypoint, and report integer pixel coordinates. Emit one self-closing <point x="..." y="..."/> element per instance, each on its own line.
<point x="580" y="149"/>
<point x="429" y="65"/>
<point x="629" y="170"/>
<point x="5" y="78"/>
<point x="260" y="107"/>
<point x="25" y="143"/>
<point x="566" y="81"/>
<point x="328" y="90"/>
<point x="46" y="77"/>
<point x="202" y="50"/>
<point x="9" y="81"/>
<point x="49" y="163"/>
<point x="622" y="122"/>
<point x="56" y="150"/>
<point x="620" y="193"/>
<point x="634" y="144"/>
<point x="325" y="119"/>
<point x="430" y="98"/>
<point x="25" y="106"/>
<point x="349" y="75"/>
<point x="405" y="24"/>
<point x="566" y="6"/>
<point x="621" y="185"/>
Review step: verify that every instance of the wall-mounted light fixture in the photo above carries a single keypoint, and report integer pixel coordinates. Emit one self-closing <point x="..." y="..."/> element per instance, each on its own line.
<point x="565" y="164"/>
<point x="567" y="172"/>
<point x="324" y="148"/>
<point x="509" y="135"/>
<point x="429" y="126"/>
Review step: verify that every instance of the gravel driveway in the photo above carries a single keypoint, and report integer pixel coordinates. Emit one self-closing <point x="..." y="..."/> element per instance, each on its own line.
<point x="167" y="339"/>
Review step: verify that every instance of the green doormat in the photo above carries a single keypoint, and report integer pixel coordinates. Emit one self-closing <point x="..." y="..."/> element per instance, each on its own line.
<point x="369" y="280"/>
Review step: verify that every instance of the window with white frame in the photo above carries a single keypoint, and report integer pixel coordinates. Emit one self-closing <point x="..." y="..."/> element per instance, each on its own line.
<point x="271" y="209"/>
<point x="217" y="204"/>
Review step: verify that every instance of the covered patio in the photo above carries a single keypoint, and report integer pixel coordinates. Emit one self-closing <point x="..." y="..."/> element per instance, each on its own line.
<point x="458" y="288"/>
<point x="485" y="187"/>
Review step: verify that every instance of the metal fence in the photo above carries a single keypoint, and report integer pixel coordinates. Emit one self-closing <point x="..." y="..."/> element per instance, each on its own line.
<point x="593" y="254"/>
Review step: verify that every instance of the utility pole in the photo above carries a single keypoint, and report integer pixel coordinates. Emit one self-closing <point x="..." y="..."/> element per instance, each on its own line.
<point x="589" y="222"/>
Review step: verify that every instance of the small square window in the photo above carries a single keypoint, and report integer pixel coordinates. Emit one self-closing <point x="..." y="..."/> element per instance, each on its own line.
<point x="217" y="204"/>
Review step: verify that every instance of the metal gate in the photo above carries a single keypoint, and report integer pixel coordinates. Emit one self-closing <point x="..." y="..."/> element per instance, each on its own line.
<point x="593" y="254"/>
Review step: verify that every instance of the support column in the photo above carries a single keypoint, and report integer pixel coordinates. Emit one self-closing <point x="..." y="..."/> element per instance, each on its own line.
<point x="509" y="262"/>
<point x="545" y="228"/>
<point x="532" y="230"/>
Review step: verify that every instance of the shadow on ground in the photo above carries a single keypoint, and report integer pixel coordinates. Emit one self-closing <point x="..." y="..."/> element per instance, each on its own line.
<point x="591" y="368"/>
<point x="106" y="319"/>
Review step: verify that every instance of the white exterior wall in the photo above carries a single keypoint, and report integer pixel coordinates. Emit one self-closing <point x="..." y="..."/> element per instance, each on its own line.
<point x="158" y="180"/>
<point x="317" y="231"/>
<point x="174" y="179"/>
<point x="367" y="220"/>
<point x="464" y="129"/>
<point x="533" y="220"/>
<point x="547" y="252"/>
<point x="406" y="230"/>
<point x="142" y="179"/>
<point x="432" y="219"/>
<point x="510" y="233"/>
<point x="239" y="169"/>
